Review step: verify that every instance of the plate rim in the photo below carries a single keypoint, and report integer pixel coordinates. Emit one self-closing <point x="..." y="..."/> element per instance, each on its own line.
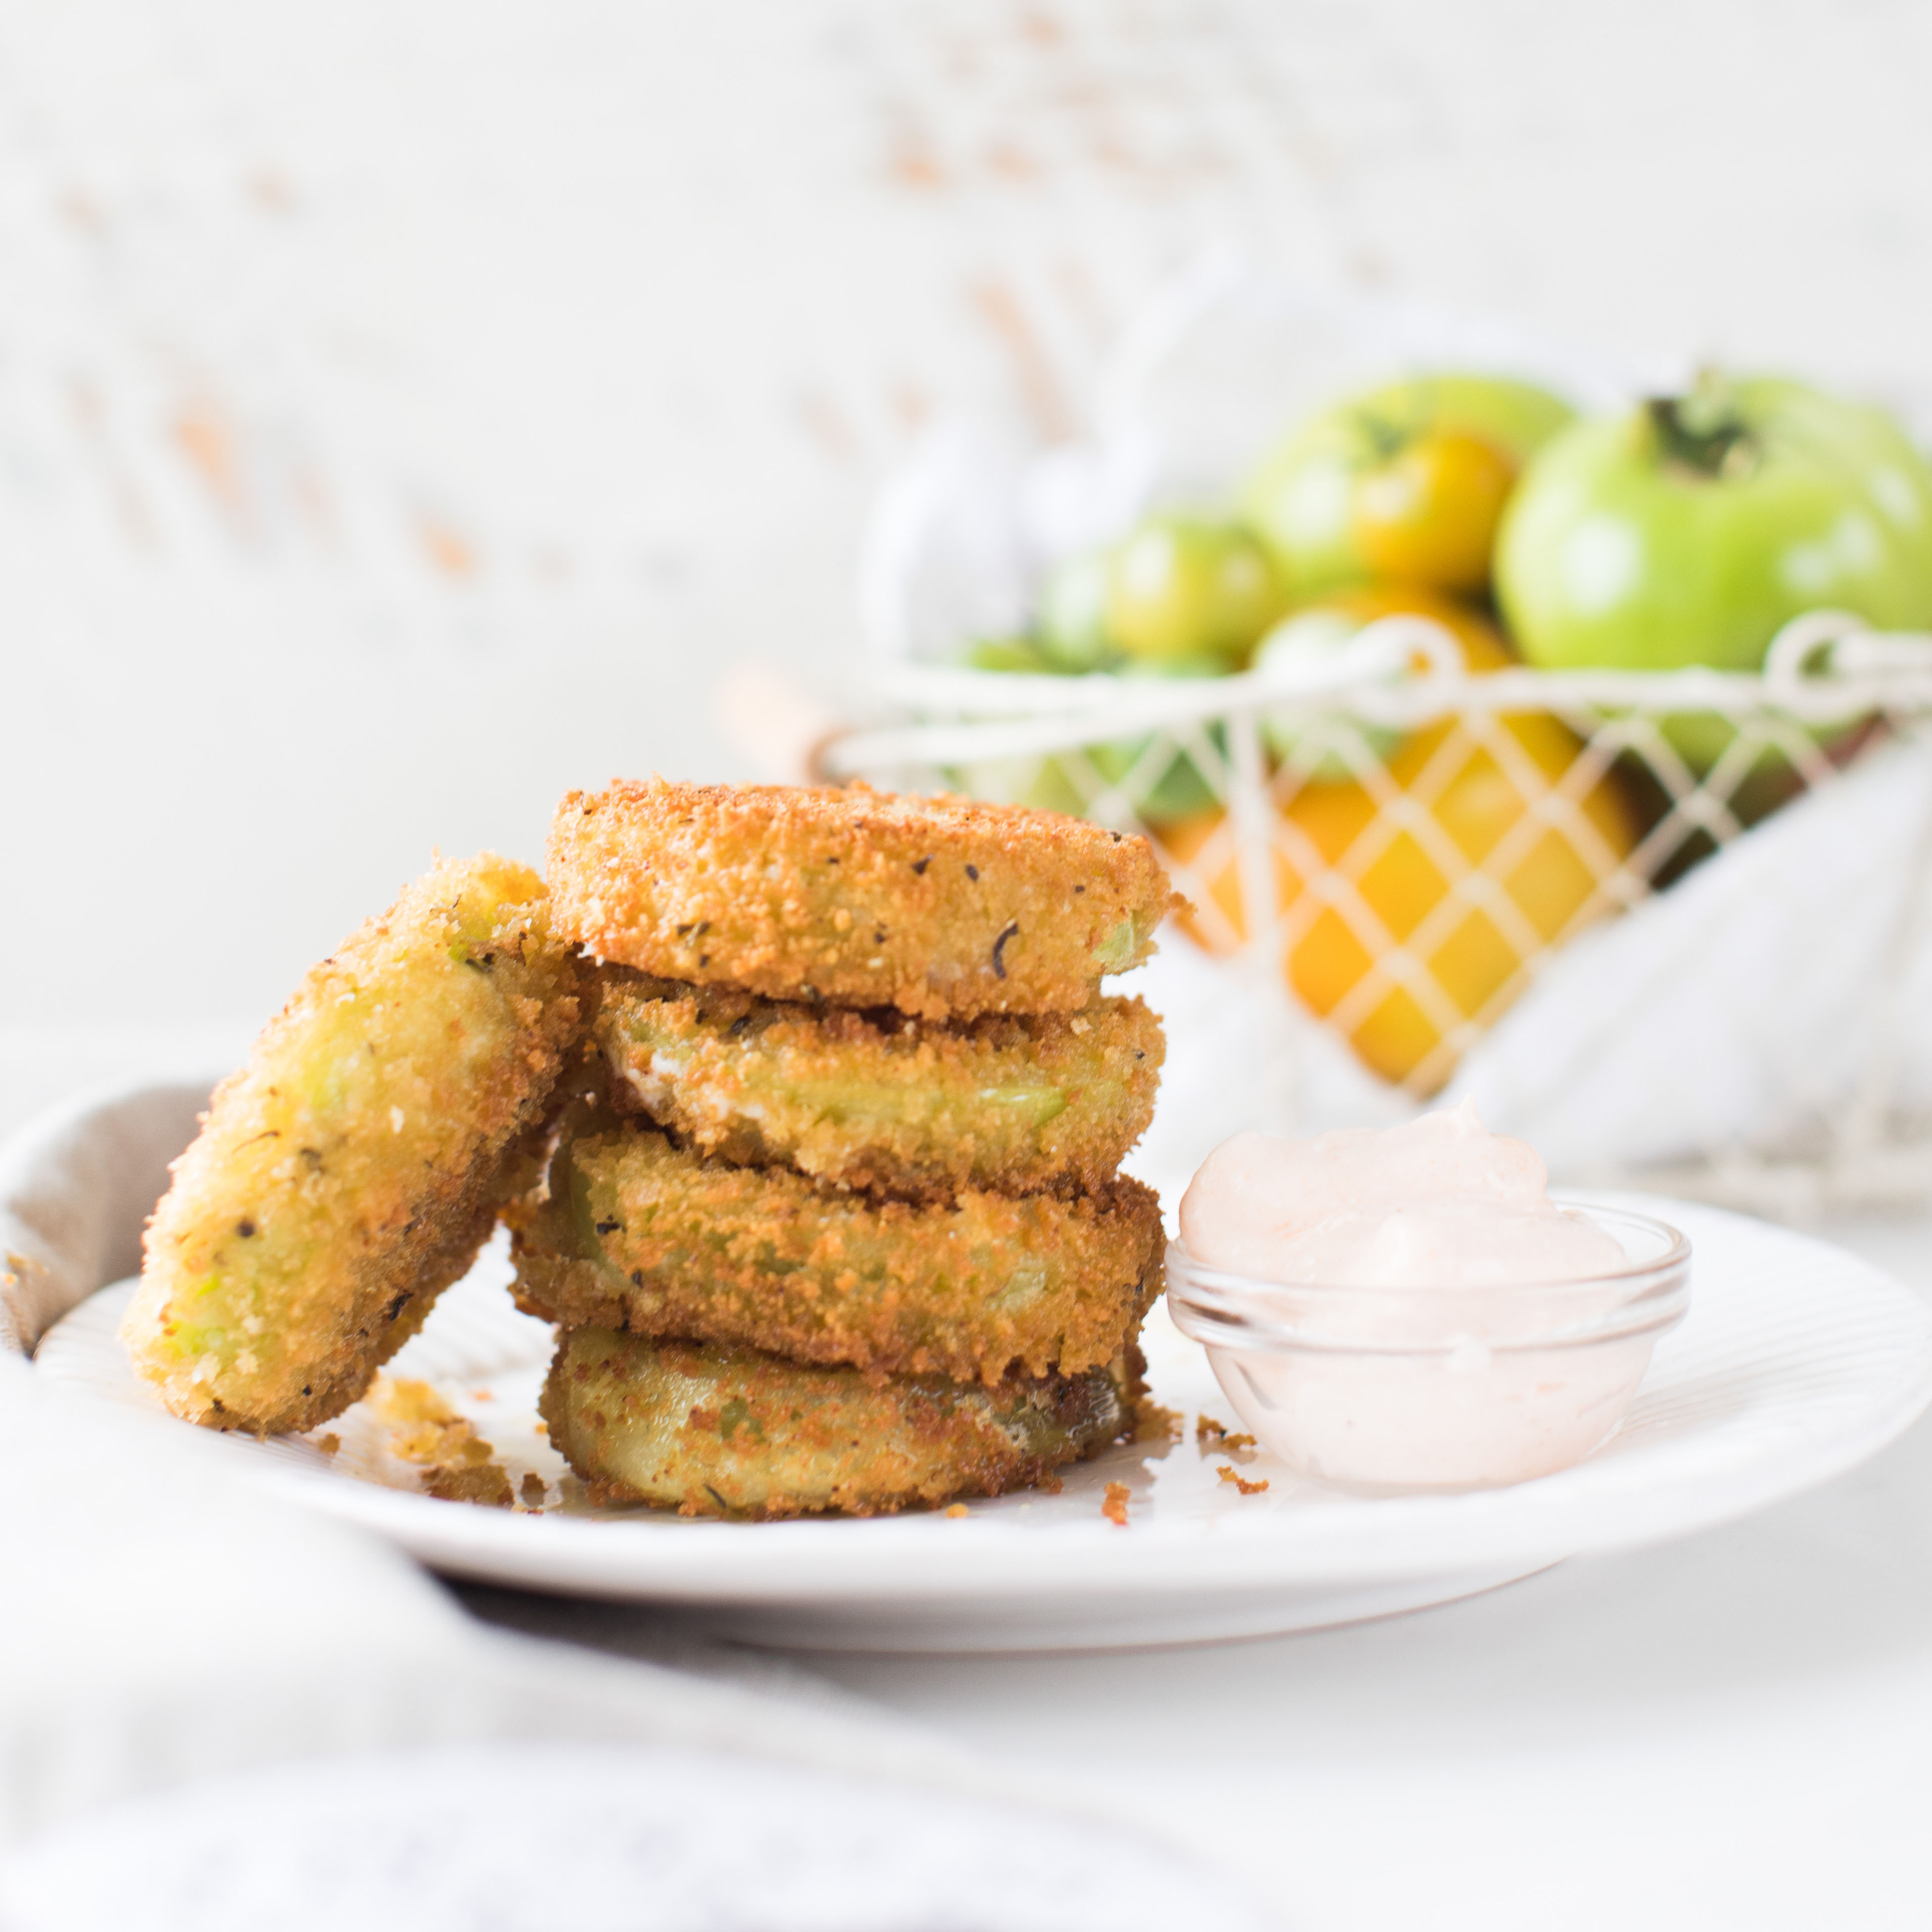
<point x="930" y="1561"/>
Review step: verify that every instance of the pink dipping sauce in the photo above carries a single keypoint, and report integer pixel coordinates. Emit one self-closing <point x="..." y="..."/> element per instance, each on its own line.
<point x="1409" y="1310"/>
<point x="1440" y="1202"/>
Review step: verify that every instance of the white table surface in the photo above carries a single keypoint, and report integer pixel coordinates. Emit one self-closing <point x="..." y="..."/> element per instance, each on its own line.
<point x="1733" y="1731"/>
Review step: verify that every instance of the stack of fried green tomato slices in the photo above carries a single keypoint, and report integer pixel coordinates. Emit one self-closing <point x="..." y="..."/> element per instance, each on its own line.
<point x="833" y="1219"/>
<point x="805" y="1109"/>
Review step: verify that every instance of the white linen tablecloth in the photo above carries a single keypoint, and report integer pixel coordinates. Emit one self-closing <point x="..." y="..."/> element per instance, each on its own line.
<point x="212" y="1703"/>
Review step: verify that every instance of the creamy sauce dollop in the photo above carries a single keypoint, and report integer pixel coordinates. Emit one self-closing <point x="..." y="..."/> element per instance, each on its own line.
<point x="1422" y="1315"/>
<point x="1437" y="1202"/>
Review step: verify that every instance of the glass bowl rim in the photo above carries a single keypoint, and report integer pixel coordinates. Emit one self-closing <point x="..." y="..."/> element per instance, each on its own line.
<point x="1222" y="1310"/>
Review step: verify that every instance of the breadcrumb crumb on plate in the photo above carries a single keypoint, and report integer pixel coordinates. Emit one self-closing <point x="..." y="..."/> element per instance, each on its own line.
<point x="458" y="1464"/>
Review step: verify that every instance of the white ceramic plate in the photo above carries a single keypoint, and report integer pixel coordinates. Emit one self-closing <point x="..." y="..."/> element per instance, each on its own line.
<point x="1797" y="1361"/>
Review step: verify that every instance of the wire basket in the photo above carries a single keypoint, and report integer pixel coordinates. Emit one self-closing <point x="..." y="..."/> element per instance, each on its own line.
<point x="1403" y="844"/>
<point x="1577" y="758"/>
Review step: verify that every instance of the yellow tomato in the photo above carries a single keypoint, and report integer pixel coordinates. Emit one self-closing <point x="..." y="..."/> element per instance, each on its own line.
<point x="1414" y="898"/>
<point x="1429" y="514"/>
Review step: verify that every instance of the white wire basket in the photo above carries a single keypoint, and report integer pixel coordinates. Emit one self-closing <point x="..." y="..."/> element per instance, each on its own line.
<point x="1398" y="848"/>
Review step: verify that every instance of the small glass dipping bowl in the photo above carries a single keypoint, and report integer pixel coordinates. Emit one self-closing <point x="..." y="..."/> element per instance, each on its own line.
<point x="1386" y="1389"/>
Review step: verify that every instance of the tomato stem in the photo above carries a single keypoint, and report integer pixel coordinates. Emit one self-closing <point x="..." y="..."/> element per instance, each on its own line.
<point x="1702" y="436"/>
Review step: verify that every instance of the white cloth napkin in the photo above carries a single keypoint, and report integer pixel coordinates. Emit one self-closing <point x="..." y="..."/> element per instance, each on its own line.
<point x="217" y="1709"/>
<point x="1749" y="1004"/>
<point x="1779" y="994"/>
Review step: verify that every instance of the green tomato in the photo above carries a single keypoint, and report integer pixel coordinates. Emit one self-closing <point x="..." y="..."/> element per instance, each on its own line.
<point x="1403" y="481"/>
<point x="1311" y="637"/>
<point x="1173" y="788"/>
<point x="1054" y="784"/>
<point x="1180" y="588"/>
<point x="1006" y="654"/>
<point x="1071" y="629"/>
<point x="1691" y="530"/>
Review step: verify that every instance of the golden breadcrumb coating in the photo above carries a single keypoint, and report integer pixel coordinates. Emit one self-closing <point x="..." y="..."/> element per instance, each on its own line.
<point x="728" y="1432"/>
<point x="352" y="1169"/>
<point x="1017" y="1103"/>
<point x="940" y="906"/>
<point x="638" y="1234"/>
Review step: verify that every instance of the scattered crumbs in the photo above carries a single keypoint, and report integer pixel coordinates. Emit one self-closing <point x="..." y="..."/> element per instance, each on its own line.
<point x="486" y="1482"/>
<point x="457" y="1464"/>
<point x="543" y="1429"/>
<point x="485" y="1395"/>
<point x="450" y="1444"/>
<point x="399" y="1398"/>
<point x="1238" y="1442"/>
<point x="329" y="1444"/>
<point x="1228" y="1473"/>
<point x="532" y="1489"/>
<point x="956" y="1509"/>
<point x="1113" y="1504"/>
<point x="1154" y="1424"/>
<point x="1207" y="1428"/>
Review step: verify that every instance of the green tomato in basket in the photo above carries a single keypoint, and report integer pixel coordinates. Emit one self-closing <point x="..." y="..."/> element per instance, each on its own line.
<point x="1019" y="654"/>
<point x="1335" y="747"/>
<point x="1689" y="530"/>
<point x="1403" y="484"/>
<point x="1071" y="631"/>
<point x="1324" y="746"/>
<point x="1169" y="786"/>
<point x="1182" y="589"/>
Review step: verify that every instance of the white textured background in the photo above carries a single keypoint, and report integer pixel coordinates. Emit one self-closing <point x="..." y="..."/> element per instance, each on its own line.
<point x="409" y="409"/>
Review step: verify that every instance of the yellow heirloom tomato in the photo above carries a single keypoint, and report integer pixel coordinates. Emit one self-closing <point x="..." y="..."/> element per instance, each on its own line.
<point x="1407" y="481"/>
<point x="1413" y="898"/>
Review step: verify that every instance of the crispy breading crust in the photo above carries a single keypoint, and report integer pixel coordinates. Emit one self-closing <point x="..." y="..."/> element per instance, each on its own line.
<point x="352" y="1170"/>
<point x="719" y="1432"/>
<point x="1015" y="1103"/>
<point x="639" y="1234"/>
<point x="940" y="906"/>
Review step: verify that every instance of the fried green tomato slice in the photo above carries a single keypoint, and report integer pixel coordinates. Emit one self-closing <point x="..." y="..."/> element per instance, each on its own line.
<point x="351" y="1170"/>
<point x="1016" y="1103"/>
<point x="730" y="1431"/>
<point x="640" y="1234"/>
<point x="940" y="906"/>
